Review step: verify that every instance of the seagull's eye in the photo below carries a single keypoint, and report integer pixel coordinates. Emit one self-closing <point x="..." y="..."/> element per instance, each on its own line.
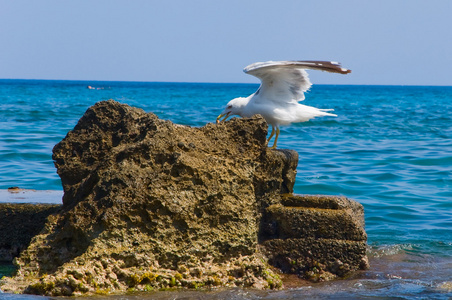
<point x="229" y="107"/>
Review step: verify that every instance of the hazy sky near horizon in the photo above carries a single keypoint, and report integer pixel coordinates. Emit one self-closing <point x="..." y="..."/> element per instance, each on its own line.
<point x="383" y="42"/>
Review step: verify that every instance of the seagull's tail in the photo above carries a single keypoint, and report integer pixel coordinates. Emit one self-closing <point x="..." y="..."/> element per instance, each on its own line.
<point x="327" y="114"/>
<point x="305" y="113"/>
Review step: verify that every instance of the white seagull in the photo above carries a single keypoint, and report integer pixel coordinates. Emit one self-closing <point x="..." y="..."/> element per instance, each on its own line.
<point x="283" y="84"/>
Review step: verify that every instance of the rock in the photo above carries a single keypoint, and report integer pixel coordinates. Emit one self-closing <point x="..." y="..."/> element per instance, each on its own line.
<point x="318" y="217"/>
<point x="315" y="236"/>
<point x="19" y="224"/>
<point x="151" y="204"/>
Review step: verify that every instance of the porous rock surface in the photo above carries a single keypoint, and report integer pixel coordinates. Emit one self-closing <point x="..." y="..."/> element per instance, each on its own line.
<point x="151" y="204"/>
<point x="19" y="223"/>
<point x="317" y="237"/>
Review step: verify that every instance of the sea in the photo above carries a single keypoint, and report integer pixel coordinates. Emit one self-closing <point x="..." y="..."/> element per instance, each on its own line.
<point x="389" y="148"/>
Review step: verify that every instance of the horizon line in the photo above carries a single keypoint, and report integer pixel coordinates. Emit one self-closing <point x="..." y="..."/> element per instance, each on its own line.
<point x="211" y="82"/>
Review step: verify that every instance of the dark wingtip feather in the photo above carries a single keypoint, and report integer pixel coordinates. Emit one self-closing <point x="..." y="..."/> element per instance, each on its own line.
<point x="329" y="66"/>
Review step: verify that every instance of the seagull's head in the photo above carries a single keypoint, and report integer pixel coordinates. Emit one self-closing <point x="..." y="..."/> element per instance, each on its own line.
<point x="234" y="107"/>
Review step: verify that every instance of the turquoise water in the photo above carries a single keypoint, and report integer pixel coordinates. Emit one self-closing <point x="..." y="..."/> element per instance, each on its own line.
<point x="390" y="148"/>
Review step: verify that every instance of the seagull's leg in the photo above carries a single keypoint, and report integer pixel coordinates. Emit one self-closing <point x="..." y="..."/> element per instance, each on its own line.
<point x="276" y="138"/>
<point x="271" y="134"/>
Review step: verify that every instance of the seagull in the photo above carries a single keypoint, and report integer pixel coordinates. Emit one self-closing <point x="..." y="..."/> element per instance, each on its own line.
<point x="283" y="84"/>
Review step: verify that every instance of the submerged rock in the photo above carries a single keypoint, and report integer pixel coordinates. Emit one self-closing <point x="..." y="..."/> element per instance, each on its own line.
<point x="151" y="204"/>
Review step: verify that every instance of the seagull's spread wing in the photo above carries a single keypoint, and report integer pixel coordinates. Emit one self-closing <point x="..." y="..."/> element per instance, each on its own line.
<point x="286" y="81"/>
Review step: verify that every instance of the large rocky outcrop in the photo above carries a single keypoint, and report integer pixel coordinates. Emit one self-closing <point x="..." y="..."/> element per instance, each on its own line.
<point x="151" y="204"/>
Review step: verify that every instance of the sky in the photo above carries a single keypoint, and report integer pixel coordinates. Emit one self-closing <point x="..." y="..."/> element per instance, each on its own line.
<point x="384" y="42"/>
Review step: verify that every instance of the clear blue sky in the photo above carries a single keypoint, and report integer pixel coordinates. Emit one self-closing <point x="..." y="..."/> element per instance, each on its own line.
<point x="383" y="42"/>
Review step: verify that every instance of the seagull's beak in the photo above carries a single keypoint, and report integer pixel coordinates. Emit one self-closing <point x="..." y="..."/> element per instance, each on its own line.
<point x="221" y="115"/>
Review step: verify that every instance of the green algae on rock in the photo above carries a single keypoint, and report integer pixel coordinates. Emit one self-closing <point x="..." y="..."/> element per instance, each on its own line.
<point x="149" y="204"/>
